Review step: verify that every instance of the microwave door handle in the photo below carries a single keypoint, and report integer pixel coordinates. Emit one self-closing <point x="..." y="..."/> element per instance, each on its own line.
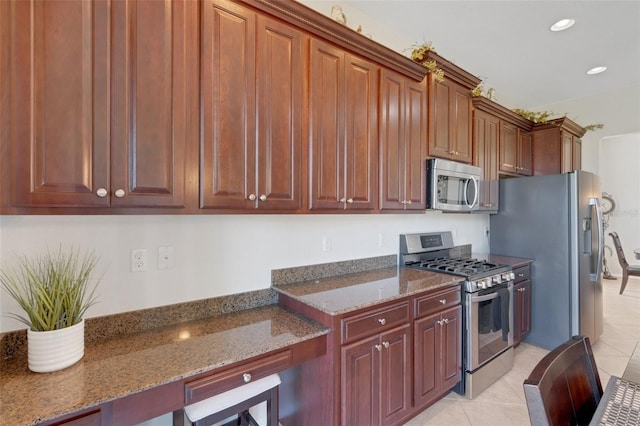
<point x="475" y="192"/>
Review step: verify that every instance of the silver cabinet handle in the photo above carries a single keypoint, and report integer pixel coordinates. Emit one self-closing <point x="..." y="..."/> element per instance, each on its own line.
<point x="119" y="193"/>
<point x="246" y="377"/>
<point x="101" y="192"/>
<point x="252" y="197"/>
<point x="263" y="197"/>
<point x="385" y="344"/>
<point x="382" y="321"/>
<point x="378" y="347"/>
<point x="520" y="275"/>
<point x="443" y="301"/>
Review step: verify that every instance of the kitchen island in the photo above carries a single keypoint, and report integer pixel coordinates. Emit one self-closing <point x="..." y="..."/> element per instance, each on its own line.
<point x="132" y="377"/>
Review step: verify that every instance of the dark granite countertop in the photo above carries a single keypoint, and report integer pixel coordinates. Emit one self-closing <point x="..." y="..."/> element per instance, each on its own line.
<point x="123" y="365"/>
<point x="345" y="293"/>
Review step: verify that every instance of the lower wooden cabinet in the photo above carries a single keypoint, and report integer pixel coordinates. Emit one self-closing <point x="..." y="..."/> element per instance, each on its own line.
<point x="521" y="304"/>
<point x="384" y="364"/>
<point x="438" y="356"/>
<point x="376" y="378"/>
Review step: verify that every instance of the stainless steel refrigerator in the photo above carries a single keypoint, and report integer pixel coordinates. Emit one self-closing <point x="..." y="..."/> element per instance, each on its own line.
<point x="556" y="221"/>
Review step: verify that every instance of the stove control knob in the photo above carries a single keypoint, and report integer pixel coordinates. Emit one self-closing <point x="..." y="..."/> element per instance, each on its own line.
<point x="482" y="284"/>
<point x="512" y="276"/>
<point x="497" y="279"/>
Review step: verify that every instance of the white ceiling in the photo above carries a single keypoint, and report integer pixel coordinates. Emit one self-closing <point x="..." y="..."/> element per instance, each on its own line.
<point x="508" y="43"/>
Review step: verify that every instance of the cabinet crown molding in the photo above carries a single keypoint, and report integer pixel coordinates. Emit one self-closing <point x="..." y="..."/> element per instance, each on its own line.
<point x="454" y="72"/>
<point x="503" y="113"/>
<point x="563" y="123"/>
<point x="322" y="26"/>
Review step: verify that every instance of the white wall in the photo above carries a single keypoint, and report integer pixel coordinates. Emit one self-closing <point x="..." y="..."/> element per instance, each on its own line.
<point x="216" y="254"/>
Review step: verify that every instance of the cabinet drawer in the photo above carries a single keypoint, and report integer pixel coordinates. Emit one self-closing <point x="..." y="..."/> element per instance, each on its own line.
<point x="522" y="274"/>
<point x="206" y="387"/>
<point x="427" y="305"/>
<point x="371" y="322"/>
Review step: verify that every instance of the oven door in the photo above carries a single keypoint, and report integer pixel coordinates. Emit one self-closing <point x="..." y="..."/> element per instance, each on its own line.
<point x="489" y="324"/>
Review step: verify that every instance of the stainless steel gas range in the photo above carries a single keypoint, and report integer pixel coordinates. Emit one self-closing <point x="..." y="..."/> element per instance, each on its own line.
<point x="487" y="337"/>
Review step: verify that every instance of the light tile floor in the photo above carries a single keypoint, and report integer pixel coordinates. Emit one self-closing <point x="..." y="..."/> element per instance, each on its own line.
<point x="504" y="404"/>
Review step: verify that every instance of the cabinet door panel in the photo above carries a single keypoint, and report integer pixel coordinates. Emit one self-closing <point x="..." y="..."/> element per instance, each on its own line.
<point x="427" y="349"/>
<point x="155" y="45"/>
<point x="461" y="113"/>
<point x="451" y="332"/>
<point x="279" y="110"/>
<point x="392" y="129"/>
<point x="508" y="148"/>
<point x="228" y="105"/>
<point x="439" y="119"/>
<point x="60" y="82"/>
<point x="395" y="391"/>
<point x="326" y="115"/>
<point x="361" y="144"/>
<point x="360" y="383"/>
<point x="416" y="146"/>
<point x="525" y="154"/>
<point x="566" y="154"/>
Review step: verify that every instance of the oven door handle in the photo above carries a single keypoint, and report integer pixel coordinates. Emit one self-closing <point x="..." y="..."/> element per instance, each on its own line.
<point x="476" y="299"/>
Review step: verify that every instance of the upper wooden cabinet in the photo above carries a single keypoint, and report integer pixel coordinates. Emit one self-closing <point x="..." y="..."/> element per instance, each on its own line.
<point x="557" y="147"/>
<point x="102" y="98"/>
<point x="450" y="112"/>
<point x="403" y="142"/>
<point x="486" y="133"/>
<point x="515" y="150"/>
<point x="252" y="92"/>
<point x="343" y="129"/>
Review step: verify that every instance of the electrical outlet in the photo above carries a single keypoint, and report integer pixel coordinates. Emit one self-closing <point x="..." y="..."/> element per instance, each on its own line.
<point x="326" y="243"/>
<point x="138" y="260"/>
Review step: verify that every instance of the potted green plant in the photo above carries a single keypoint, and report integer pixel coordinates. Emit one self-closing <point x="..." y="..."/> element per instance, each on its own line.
<point x="54" y="289"/>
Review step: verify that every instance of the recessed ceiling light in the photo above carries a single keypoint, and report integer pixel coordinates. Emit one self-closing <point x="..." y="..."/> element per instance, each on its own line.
<point x="596" y="70"/>
<point x="563" y="24"/>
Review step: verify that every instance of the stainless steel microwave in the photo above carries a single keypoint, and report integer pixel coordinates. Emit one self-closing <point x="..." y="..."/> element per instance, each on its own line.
<point x="452" y="186"/>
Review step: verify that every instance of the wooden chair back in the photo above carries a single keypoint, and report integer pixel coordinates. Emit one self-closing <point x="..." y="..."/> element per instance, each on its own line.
<point x="621" y="258"/>
<point x="564" y="388"/>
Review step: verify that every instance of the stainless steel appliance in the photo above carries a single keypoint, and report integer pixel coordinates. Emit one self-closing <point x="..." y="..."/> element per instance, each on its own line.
<point x="452" y="186"/>
<point x="487" y="339"/>
<point x="556" y="221"/>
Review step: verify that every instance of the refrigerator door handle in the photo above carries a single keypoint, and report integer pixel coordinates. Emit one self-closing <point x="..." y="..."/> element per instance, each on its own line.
<point x="596" y="203"/>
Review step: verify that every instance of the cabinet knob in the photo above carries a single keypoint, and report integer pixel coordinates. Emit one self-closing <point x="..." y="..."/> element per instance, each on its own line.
<point x="263" y="197"/>
<point x="343" y="200"/>
<point x="382" y="321"/>
<point x="520" y="275"/>
<point x="378" y="347"/>
<point x="101" y="192"/>
<point x="385" y="344"/>
<point x="443" y="301"/>
<point x="252" y="197"/>
<point x="119" y="193"/>
<point x="246" y="377"/>
<point x="350" y="200"/>
<point x="408" y="202"/>
<point x="445" y="321"/>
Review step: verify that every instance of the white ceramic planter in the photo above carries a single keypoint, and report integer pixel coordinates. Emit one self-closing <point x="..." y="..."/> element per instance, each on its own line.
<point x="54" y="350"/>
